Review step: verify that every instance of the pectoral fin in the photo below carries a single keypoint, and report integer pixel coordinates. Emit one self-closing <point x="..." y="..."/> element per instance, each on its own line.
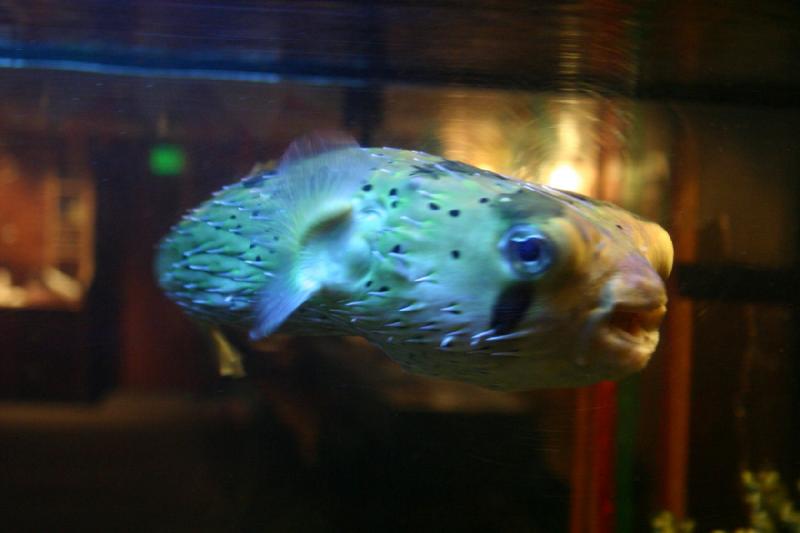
<point x="319" y="175"/>
<point x="280" y="299"/>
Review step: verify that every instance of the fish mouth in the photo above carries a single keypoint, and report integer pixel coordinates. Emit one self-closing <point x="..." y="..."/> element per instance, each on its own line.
<point x="631" y="332"/>
<point x="633" y="323"/>
<point x="634" y="305"/>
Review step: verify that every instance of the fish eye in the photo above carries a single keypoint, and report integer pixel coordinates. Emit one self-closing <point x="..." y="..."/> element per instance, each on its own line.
<point x="528" y="250"/>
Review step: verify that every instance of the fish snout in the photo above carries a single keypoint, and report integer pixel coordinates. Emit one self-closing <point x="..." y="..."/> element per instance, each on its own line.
<point x="633" y="307"/>
<point x="636" y="284"/>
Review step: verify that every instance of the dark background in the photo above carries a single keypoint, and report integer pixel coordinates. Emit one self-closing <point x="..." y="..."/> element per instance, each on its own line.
<point x="112" y="415"/>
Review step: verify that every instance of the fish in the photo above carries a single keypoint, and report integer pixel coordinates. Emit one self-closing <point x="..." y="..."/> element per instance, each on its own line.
<point x="453" y="271"/>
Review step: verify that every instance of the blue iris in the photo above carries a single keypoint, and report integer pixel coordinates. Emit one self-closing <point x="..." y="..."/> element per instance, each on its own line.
<point x="529" y="251"/>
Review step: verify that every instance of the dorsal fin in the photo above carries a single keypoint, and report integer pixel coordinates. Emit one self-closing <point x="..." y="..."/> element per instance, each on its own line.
<point x="315" y="144"/>
<point x="321" y="171"/>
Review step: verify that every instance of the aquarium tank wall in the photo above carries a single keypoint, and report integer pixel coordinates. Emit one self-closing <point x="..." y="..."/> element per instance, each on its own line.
<point x="116" y="117"/>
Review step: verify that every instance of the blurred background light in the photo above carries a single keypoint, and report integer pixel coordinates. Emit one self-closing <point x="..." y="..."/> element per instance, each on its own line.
<point x="565" y="176"/>
<point x="167" y="160"/>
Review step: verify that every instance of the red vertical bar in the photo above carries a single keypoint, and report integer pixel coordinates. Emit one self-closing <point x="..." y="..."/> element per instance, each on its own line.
<point x="675" y="403"/>
<point x="593" y="483"/>
<point x="579" y="503"/>
<point x="603" y="462"/>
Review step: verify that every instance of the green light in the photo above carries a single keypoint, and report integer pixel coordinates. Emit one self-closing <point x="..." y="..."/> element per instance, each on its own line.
<point x="167" y="160"/>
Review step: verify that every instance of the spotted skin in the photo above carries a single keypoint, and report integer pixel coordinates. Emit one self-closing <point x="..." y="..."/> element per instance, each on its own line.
<point x="425" y="277"/>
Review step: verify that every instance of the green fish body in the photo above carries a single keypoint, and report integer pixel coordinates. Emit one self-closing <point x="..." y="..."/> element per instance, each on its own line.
<point x="454" y="271"/>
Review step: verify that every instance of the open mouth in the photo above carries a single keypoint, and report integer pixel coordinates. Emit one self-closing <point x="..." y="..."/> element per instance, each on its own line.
<point x="635" y="324"/>
<point x="626" y="322"/>
<point x="631" y="332"/>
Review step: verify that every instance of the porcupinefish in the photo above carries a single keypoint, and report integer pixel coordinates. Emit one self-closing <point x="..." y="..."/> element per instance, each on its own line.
<point x="453" y="271"/>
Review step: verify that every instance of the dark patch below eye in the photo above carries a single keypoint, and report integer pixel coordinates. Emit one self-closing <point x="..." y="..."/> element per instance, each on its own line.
<point x="510" y="307"/>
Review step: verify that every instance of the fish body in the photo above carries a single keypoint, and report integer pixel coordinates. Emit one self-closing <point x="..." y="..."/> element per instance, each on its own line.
<point x="453" y="271"/>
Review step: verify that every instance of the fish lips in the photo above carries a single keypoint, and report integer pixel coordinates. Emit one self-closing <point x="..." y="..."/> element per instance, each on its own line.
<point x="629" y="335"/>
<point x="626" y="329"/>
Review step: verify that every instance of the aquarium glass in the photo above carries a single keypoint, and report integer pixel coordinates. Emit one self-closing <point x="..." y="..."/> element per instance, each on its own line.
<point x="119" y="412"/>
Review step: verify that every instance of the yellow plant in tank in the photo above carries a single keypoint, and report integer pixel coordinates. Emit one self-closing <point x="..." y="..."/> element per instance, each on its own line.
<point x="772" y="509"/>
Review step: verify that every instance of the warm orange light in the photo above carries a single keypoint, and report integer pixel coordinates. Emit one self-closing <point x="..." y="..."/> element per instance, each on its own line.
<point x="565" y="176"/>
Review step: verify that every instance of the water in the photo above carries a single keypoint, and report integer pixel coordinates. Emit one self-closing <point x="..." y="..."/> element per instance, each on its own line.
<point x="115" y="117"/>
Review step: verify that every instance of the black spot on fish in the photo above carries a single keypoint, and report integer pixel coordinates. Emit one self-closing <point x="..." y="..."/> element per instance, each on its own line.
<point x="434" y="206"/>
<point x="233" y="217"/>
<point x="484" y="200"/>
<point x="252" y="245"/>
<point x="510" y="307"/>
<point x="383" y="289"/>
<point x="276" y="238"/>
<point x="393" y="192"/>
<point x="369" y="283"/>
<point x="455" y="253"/>
<point x="258" y="258"/>
<point x="367" y="187"/>
<point x="454" y="212"/>
<point x="619" y="227"/>
<point x="394" y="204"/>
<point x="397" y="249"/>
